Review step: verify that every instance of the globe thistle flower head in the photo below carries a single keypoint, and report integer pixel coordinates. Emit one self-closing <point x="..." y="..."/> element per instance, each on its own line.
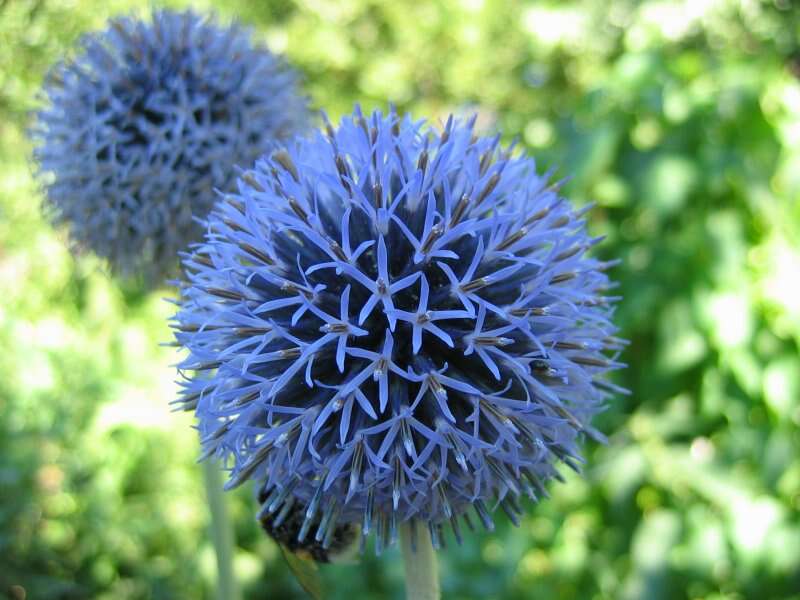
<point x="391" y="322"/>
<point x="147" y="119"/>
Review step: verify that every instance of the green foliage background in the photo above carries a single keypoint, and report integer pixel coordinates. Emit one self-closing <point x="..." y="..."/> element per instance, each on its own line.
<point x="680" y="119"/>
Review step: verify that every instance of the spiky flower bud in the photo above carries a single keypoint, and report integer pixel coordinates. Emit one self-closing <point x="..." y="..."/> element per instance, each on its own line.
<point x="140" y="127"/>
<point x="390" y="322"/>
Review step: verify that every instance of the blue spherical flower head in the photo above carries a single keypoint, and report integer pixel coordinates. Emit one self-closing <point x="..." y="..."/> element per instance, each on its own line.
<point x="390" y="322"/>
<point x="141" y="126"/>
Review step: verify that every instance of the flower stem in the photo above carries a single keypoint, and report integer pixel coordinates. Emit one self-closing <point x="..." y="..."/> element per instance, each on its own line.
<point x="221" y="532"/>
<point x="419" y="558"/>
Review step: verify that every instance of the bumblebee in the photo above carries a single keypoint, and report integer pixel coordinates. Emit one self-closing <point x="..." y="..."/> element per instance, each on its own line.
<point x="304" y="557"/>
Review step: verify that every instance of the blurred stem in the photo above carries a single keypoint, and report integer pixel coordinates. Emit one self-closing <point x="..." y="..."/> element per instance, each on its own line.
<point x="419" y="559"/>
<point x="221" y="532"/>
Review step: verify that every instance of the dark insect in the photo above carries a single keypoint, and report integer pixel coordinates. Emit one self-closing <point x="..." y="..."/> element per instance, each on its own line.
<point x="303" y="557"/>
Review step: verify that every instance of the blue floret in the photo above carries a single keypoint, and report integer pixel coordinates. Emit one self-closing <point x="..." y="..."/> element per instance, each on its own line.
<point x="392" y="322"/>
<point x="142" y="125"/>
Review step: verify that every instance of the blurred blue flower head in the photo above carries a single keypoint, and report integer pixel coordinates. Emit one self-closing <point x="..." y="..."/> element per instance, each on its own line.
<point x="140" y="127"/>
<point x="390" y="321"/>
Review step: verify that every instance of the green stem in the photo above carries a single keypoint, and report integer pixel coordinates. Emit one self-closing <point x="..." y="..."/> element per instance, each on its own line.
<point x="419" y="558"/>
<point x="221" y="532"/>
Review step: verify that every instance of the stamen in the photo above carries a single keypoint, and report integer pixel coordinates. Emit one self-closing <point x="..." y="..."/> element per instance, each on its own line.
<point x="249" y="467"/>
<point x="490" y="185"/>
<point x="495" y="412"/>
<point x="458" y="211"/>
<point x="226" y="294"/>
<point x="474" y="285"/>
<point x="570" y="345"/>
<point x="562" y="277"/>
<point x="590" y="361"/>
<point x="233" y="225"/>
<point x="435" y="233"/>
<point x="537" y="216"/>
<point x="538" y="311"/>
<point x="422" y="163"/>
<point x="568" y="253"/>
<point x="248" y="331"/>
<point x="485" y="161"/>
<point x="337" y="250"/>
<point x="283" y="159"/>
<point x="298" y="210"/>
<point x="492" y="341"/>
<point x="251" y="181"/>
<point x="203" y="259"/>
<point x="208" y="366"/>
<point x="255" y="252"/>
<point x="512" y="239"/>
<point x="341" y="167"/>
